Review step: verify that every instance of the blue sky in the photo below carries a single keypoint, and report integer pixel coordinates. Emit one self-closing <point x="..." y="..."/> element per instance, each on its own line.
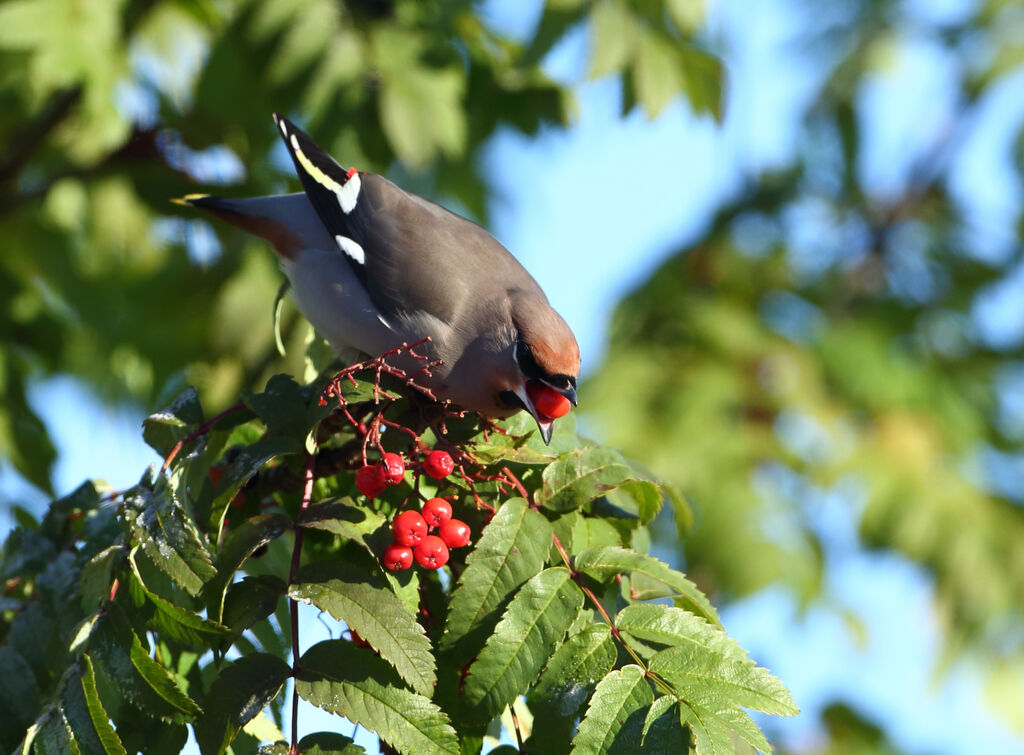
<point x="589" y="238"/>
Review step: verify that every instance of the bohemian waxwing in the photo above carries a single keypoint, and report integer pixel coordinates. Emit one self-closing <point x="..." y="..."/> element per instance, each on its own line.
<point x="372" y="266"/>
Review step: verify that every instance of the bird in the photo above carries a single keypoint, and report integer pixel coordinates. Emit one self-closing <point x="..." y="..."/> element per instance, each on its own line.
<point x="373" y="267"/>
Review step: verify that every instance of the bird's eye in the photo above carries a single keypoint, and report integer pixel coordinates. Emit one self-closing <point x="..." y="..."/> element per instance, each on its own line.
<point x="527" y="364"/>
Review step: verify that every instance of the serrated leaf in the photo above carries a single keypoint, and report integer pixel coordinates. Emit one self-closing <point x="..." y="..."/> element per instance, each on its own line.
<point x="702" y="75"/>
<point x="112" y="647"/>
<point x="318" y="743"/>
<point x="19" y="696"/>
<point x="26" y="551"/>
<point x="578" y="664"/>
<point x="344" y="518"/>
<point x="618" y="702"/>
<point x="287" y="409"/>
<point x="54" y="736"/>
<point x="160" y="525"/>
<point x="176" y="622"/>
<point x="352" y="682"/>
<point x="606" y="561"/>
<point x="162" y="430"/>
<point x="709" y="735"/>
<point x="642" y="498"/>
<point x="84" y="714"/>
<point x="101" y="721"/>
<point x="97" y="576"/>
<point x="658" y="708"/>
<point x="365" y="602"/>
<point x="512" y="548"/>
<point x="613" y="37"/>
<point x="240" y="543"/>
<point x="160" y="680"/>
<point x="250" y="600"/>
<point x="703" y="664"/>
<point x="565" y="685"/>
<point x="581" y="475"/>
<point x="245" y="464"/>
<point x="523" y="640"/>
<point x="656" y="72"/>
<point x="240" y="692"/>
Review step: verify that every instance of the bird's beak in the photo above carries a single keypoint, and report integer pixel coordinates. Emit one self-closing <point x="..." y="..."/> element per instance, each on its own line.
<point x="544" y="424"/>
<point x="569" y="393"/>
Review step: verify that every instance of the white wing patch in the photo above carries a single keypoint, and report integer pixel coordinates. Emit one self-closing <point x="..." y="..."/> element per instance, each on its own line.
<point x="351" y="248"/>
<point x="348" y="193"/>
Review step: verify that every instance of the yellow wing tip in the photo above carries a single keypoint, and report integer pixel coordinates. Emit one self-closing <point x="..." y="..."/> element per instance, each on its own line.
<point x="188" y="199"/>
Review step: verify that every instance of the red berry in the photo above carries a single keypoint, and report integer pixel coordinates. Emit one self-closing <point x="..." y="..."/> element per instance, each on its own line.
<point x="439" y="464"/>
<point x="431" y="552"/>
<point x="397" y="557"/>
<point x="455" y="533"/>
<point x="547" y="401"/>
<point x="409" y="527"/>
<point x="370" y="481"/>
<point x="392" y="468"/>
<point x="436" y="511"/>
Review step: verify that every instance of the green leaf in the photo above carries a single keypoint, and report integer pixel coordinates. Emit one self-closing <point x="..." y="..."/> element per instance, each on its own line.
<point x="603" y="562"/>
<point x="113" y="648"/>
<point x="26" y="552"/>
<point x="97" y="576"/>
<point x="512" y="548"/>
<point x="352" y="682"/>
<point x="613" y="37"/>
<point x="318" y="743"/>
<point x="655" y="728"/>
<point x="702" y="75"/>
<point x="618" y="703"/>
<point x="526" y="636"/>
<point x="160" y="680"/>
<point x="250" y="600"/>
<point x="178" y="623"/>
<point x="162" y="430"/>
<point x="344" y="518"/>
<point x="101" y="721"/>
<point x="287" y="409"/>
<point x="580" y="476"/>
<point x="245" y="464"/>
<point x="580" y="662"/>
<point x="565" y="685"/>
<point x="54" y="736"/>
<point x="240" y="692"/>
<point x="19" y="696"/>
<point x="642" y="498"/>
<point x="159" y="524"/>
<point x="365" y="602"/>
<point x="713" y="734"/>
<point x="703" y="664"/>
<point x="656" y="72"/>
<point x="240" y="543"/>
<point x="84" y="713"/>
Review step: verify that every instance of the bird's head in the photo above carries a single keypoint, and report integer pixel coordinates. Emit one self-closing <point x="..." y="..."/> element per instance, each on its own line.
<point x="547" y="363"/>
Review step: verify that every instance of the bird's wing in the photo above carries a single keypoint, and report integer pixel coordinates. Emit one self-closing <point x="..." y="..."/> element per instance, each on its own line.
<point x="413" y="256"/>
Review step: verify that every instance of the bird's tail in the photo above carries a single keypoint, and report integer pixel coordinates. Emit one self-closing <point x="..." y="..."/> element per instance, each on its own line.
<point x="287" y="221"/>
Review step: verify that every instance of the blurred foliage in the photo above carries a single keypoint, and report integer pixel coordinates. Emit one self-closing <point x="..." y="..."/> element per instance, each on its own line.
<point x="819" y="344"/>
<point x="111" y="108"/>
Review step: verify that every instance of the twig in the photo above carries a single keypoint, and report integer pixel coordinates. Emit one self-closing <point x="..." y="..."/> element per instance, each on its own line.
<point x="201" y="430"/>
<point x="307" y="496"/>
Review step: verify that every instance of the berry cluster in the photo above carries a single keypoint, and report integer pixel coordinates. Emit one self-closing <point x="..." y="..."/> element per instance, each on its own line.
<point x="412" y="528"/>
